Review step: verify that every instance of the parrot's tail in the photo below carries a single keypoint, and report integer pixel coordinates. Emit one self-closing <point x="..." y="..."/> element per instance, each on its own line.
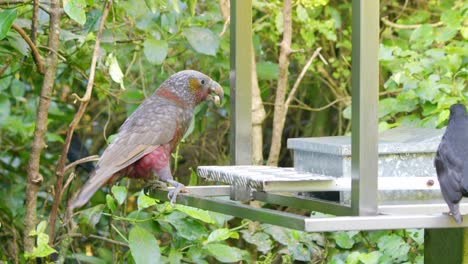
<point x="93" y="184"/>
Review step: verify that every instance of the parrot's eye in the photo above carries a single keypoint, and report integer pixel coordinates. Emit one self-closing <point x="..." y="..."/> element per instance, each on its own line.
<point x="202" y="82"/>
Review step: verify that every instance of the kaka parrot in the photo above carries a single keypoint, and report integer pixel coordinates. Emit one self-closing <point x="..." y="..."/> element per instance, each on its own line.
<point x="143" y="144"/>
<point x="451" y="160"/>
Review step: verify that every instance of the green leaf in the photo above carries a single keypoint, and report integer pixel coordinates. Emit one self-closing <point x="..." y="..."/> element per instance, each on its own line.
<point x="353" y="258"/>
<point x="196" y="213"/>
<point x="225" y="254"/>
<point x="423" y="35"/>
<point x="144" y="201"/>
<point x="279" y="22"/>
<point x="370" y="258"/>
<point x="417" y="235"/>
<point x="143" y="246"/>
<point x="280" y="234"/>
<point x="394" y="247"/>
<point x="221" y="235"/>
<point x="267" y="70"/>
<point x="91" y="215"/>
<point x="120" y="193"/>
<point x="6" y="20"/>
<point x="175" y="6"/>
<point x="75" y="9"/>
<point x="446" y="33"/>
<point x="260" y="239"/>
<point x="175" y="256"/>
<point x="386" y="52"/>
<point x="386" y="106"/>
<point x="40" y="228"/>
<point x="43" y="249"/>
<point x="302" y="13"/>
<point x="52" y="137"/>
<point x="347" y="112"/>
<point x="155" y="50"/>
<point x="152" y="6"/>
<point x="110" y="203"/>
<point x="187" y="227"/>
<point x="451" y="18"/>
<point x="443" y="116"/>
<point x="344" y="239"/>
<point x="114" y="70"/>
<point x="17" y="88"/>
<point x="202" y="40"/>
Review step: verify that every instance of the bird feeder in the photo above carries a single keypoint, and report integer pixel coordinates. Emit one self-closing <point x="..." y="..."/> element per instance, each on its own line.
<point x="381" y="180"/>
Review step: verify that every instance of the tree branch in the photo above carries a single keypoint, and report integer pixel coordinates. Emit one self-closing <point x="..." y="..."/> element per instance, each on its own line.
<point x="34" y="20"/>
<point x="34" y="179"/>
<point x="224" y="6"/>
<point x="400" y="26"/>
<point x="60" y="171"/>
<point x="258" y="116"/>
<point x="283" y="64"/>
<point x="35" y="52"/>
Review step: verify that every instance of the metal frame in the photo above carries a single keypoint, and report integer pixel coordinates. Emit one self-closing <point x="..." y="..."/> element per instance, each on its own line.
<point x="241" y="82"/>
<point x="364" y="145"/>
<point x="215" y="198"/>
<point x="365" y="76"/>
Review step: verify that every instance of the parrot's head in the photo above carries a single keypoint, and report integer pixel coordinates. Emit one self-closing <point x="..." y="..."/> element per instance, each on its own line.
<point x="193" y="87"/>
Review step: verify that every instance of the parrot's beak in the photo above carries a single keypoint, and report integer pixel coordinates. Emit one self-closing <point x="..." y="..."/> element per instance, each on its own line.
<point x="218" y="92"/>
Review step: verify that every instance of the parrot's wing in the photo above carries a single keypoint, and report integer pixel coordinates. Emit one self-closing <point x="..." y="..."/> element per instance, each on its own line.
<point x="149" y="127"/>
<point x="153" y="124"/>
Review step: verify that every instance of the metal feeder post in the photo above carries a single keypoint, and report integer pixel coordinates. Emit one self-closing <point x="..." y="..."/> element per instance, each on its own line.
<point x="365" y="98"/>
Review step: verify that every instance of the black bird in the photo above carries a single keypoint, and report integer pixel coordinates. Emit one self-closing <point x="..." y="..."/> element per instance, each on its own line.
<point x="78" y="151"/>
<point x="451" y="160"/>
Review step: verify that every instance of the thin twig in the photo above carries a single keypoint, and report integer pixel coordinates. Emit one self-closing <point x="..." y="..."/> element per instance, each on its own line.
<point x="35" y="52"/>
<point x="225" y="26"/>
<point x="60" y="171"/>
<point x="8" y="61"/>
<point x="80" y="161"/>
<point x="301" y="76"/>
<point x="400" y="26"/>
<point x="108" y="240"/>
<point x="123" y="41"/>
<point x="54" y="51"/>
<point x="71" y="177"/>
<point x="312" y="109"/>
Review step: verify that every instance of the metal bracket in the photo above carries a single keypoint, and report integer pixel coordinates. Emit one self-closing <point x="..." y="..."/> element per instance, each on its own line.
<point x="208" y="198"/>
<point x="240" y="193"/>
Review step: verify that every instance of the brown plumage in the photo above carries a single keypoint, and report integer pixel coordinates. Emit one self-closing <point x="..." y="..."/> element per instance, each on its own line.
<point x="144" y="142"/>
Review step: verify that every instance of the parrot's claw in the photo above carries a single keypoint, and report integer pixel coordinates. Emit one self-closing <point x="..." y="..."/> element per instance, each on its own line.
<point x="154" y="185"/>
<point x="172" y="195"/>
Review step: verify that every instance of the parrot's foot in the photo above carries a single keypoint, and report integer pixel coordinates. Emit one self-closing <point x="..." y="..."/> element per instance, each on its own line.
<point x="172" y="195"/>
<point x="154" y="185"/>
